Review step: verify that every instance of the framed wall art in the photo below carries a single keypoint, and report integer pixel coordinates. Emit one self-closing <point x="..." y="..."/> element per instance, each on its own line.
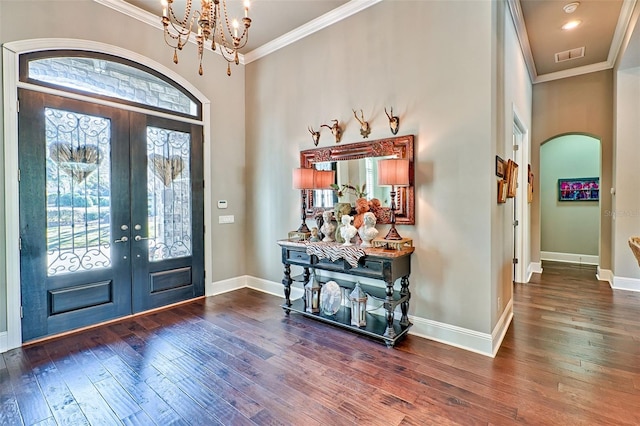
<point x="500" y="167"/>
<point x="511" y="178"/>
<point x="502" y="191"/>
<point x="579" y="189"/>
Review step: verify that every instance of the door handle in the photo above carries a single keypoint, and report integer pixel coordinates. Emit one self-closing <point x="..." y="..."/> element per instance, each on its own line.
<point x="139" y="238"/>
<point x="124" y="239"/>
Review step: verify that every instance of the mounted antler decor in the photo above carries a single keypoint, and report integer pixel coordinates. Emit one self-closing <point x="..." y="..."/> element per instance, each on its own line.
<point x="336" y="131"/>
<point x="365" y="129"/>
<point x="315" y="135"/>
<point x="394" y="121"/>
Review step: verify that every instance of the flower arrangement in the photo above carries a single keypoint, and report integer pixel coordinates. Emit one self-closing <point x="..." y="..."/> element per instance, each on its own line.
<point x="342" y="190"/>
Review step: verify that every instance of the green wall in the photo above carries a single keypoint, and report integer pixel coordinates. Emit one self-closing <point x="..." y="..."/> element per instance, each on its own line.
<point x="568" y="227"/>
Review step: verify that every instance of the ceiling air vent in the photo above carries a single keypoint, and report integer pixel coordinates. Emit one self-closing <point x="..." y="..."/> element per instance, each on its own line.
<point x="568" y="55"/>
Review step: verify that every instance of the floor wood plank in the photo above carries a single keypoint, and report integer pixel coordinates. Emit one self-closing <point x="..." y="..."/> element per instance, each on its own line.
<point x="571" y="356"/>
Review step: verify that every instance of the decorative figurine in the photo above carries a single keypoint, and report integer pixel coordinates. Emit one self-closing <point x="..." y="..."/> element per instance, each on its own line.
<point x="327" y="228"/>
<point x="347" y="230"/>
<point x="314" y="235"/>
<point x="368" y="230"/>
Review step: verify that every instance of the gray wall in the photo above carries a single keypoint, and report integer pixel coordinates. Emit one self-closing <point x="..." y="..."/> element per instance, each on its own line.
<point x="20" y="20"/>
<point x="568" y="227"/>
<point x="581" y="104"/>
<point x="625" y="212"/>
<point x="393" y="54"/>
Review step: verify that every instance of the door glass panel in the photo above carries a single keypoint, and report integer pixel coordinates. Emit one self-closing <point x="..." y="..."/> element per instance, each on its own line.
<point x="169" y="193"/>
<point x="111" y="78"/>
<point x="78" y="187"/>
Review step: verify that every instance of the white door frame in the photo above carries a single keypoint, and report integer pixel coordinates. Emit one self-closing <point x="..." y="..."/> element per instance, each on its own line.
<point x="523" y="216"/>
<point x="10" y="53"/>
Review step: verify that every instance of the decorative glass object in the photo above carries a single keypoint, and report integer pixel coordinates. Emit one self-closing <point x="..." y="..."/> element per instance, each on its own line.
<point x="331" y="298"/>
<point x="312" y="295"/>
<point x="358" y="300"/>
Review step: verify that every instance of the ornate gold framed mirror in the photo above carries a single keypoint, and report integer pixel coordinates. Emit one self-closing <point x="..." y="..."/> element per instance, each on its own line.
<point x="356" y="165"/>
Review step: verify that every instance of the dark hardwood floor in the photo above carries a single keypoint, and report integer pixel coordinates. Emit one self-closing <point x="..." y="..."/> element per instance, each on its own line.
<point x="571" y="356"/>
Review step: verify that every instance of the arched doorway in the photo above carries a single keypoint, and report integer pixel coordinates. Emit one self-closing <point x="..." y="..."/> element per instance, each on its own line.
<point x="570" y="167"/>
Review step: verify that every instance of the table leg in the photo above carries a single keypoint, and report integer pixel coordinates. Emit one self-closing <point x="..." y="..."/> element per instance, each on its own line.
<point x="388" y="306"/>
<point x="404" y="306"/>
<point x="286" y="281"/>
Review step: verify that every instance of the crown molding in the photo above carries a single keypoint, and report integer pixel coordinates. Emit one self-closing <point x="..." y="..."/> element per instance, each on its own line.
<point x="315" y="25"/>
<point x="521" y="31"/>
<point x="623" y="30"/>
<point x="573" y="72"/>
<point x="149" y="19"/>
<point x="620" y="34"/>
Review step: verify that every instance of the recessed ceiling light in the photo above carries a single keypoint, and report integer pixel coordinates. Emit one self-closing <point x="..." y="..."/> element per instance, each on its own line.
<point x="571" y="25"/>
<point x="571" y="7"/>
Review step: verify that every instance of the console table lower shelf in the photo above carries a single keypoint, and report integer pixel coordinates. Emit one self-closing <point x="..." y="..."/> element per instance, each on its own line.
<point x="376" y="327"/>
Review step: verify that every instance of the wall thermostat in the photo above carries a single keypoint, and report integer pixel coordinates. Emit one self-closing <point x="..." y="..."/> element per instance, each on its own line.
<point x="222" y="204"/>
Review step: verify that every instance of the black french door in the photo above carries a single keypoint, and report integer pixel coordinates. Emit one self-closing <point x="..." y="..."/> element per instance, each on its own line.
<point x="111" y="213"/>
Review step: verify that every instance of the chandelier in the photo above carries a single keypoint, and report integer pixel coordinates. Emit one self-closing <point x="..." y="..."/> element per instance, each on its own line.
<point x="211" y="25"/>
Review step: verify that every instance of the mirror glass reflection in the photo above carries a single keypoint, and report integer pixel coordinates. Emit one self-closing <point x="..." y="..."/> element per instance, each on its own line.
<point x="356" y="173"/>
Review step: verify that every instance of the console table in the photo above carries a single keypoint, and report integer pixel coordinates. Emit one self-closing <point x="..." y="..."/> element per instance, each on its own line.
<point x="387" y="265"/>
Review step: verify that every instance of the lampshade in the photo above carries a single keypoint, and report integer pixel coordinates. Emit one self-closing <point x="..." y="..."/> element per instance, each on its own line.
<point x="324" y="179"/>
<point x="303" y="178"/>
<point x="393" y="171"/>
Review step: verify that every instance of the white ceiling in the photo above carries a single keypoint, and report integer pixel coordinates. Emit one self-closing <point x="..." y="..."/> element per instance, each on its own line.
<point x="276" y="23"/>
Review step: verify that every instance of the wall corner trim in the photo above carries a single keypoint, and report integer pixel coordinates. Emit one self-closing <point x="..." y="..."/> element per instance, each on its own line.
<point x="623" y="283"/>
<point x="4" y="343"/>
<point x="533" y="268"/>
<point x="605" y="275"/>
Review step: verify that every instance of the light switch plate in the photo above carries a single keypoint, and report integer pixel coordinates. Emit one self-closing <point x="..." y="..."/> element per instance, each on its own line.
<point x="226" y="219"/>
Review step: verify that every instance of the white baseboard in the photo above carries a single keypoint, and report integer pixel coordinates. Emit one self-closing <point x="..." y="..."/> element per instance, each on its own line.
<point x="4" y="342"/>
<point x="463" y="338"/>
<point x="533" y="268"/>
<point x="622" y="283"/>
<point x="584" y="259"/>
<point x="273" y="288"/>
<point x="605" y="275"/>
<point x="471" y="340"/>
<point x="500" y="330"/>
<point x="225" y="286"/>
